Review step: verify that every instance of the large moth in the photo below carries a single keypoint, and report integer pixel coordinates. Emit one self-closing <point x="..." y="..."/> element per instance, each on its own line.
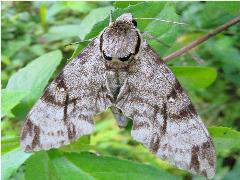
<point x="118" y="69"/>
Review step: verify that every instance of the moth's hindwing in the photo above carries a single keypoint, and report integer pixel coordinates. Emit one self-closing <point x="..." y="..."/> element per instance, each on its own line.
<point x="164" y="119"/>
<point x="64" y="112"/>
<point x="122" y="120"/>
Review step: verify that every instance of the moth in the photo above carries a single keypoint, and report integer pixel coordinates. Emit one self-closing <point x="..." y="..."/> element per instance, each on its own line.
<point x="119" y="69"/>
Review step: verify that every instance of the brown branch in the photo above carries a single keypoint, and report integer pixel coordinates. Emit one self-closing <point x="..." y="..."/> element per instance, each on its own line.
<point x="197" y="42"/>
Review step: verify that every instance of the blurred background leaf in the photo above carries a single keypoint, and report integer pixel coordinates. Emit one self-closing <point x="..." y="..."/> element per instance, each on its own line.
<point x="225" y="139"/>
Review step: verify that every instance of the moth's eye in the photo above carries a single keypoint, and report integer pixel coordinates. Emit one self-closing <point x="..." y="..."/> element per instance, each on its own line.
<point x="134" y="22"/>
<point x="125" y="58"/>
<point x="106" y="57"/>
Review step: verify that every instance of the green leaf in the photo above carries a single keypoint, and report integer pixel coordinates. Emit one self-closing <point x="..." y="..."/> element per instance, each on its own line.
<point x="232" y="8"/>
<point x="195" y="77"/>
<point x="9" y="143"/>
<point x="34" y="77"/>
<point x="42" y="12"/>
<point x="82" y="144"/>
<point x="165" y="32"/>
<point x="67" y="170"/>
<point x="124" y="4"/>
<point x="81" y="6"/>
<point x="15" y="46"/>
<point x="104" y="168"/>
<point x="62" y="32"/>
<point x="58" y="165"/>
<point x="10" y="98"/>
<point x="39" y="167"/>
<point x="55" y="8"/>
<point x="234" y="173"/>
<point x="53" y="165"/>
<point x="11" y="161"/>
<point x="225" y="139"/>
<point x="228" y="57"/>
<point x="92" y="18"/>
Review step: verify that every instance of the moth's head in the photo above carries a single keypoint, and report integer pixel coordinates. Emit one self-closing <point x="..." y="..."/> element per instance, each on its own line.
<point x="120" y="41"/>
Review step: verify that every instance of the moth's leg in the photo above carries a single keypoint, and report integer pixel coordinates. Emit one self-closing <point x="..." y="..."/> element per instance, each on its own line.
<point x="121" y="119"/>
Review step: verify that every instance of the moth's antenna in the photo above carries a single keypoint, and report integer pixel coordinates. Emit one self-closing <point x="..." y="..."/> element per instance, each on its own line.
<point x="74" y="43"/>
<point x="110" y="18"/>
<point x="157" y="19"/>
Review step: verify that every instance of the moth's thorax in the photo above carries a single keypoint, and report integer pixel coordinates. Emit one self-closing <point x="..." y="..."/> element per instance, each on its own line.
<point x="116" y="64"/>
<point x="120" y="41"/>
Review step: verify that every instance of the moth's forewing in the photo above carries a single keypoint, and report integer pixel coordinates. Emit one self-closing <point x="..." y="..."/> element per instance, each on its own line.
<point x="164" y="119"/>
<point x="64" y="112"/>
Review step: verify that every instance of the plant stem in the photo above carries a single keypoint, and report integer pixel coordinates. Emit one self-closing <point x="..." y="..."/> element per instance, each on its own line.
<point x="197" y="42"/>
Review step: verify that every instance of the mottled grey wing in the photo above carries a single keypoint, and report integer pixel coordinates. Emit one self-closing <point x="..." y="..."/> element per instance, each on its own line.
<point x="164" y="119"/>
<point x="64" y="112"/>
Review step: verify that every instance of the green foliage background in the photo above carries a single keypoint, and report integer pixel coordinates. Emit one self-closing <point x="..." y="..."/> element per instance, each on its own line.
<point x="33" y="38"/>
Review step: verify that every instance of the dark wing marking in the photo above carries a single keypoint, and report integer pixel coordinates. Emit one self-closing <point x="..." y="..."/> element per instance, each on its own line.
<point x="164" y="119"/>
<point x="64" y="112"/>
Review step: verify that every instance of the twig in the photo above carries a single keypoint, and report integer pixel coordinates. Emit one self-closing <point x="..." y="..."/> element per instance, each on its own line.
<point x="202" y="39"/>
<point x="197" y="59"/>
